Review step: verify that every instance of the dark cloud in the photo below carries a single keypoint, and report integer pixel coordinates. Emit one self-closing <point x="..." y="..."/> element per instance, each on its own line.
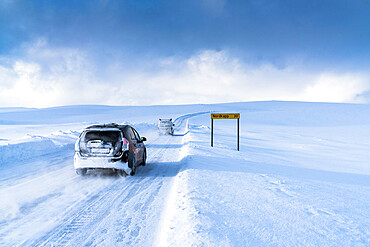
<point x="200" y="51"/>
<point x="266" y="30"/>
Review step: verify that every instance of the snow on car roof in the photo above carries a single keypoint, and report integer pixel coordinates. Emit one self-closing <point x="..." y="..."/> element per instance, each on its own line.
<point x="103" y="129"/>
<point x="106" y="126"/>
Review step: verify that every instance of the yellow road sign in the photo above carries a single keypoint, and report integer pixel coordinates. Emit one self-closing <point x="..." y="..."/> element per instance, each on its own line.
<point x="225" y="116"/>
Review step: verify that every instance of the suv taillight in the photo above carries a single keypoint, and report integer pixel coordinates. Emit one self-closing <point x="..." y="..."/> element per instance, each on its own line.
<point x="125" y="145"/>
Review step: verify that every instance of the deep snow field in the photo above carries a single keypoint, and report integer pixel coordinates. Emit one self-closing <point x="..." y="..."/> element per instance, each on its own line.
<point x="301" y="178"/>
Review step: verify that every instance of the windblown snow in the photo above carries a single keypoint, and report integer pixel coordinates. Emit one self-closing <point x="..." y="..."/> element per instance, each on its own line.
<point x="301" y="178"/>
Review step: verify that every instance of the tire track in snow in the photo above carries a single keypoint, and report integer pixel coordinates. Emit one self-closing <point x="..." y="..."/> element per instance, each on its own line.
<point x="86" y="215"/>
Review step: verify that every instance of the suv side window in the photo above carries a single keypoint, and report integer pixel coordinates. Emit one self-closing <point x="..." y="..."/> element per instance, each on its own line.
<point x="130" y="134"/>
<point x="137" y="136"/>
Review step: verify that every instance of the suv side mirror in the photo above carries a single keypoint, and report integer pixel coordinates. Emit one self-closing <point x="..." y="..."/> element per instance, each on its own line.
<point x="143" y="139"/>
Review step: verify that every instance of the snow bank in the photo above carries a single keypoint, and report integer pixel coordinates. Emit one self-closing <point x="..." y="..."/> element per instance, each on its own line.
<point x="23" y="151"/>
<point x="302" y="184"/>
<point x="31" y="146"/>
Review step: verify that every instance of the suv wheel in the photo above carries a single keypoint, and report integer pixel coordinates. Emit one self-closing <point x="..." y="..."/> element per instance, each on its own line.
<point x="81" y="171"/>
<point x="132" y="163"/>
<point x="144" y="159"/>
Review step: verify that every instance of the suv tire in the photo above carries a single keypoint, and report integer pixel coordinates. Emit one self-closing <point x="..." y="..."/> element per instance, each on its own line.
<point x="132" y="163"/>
<point x="81" y="171"/>
<point x="144" y="159"/>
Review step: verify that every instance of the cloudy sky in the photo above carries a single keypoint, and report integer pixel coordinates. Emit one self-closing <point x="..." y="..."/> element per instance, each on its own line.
<point x="180" y="52"/>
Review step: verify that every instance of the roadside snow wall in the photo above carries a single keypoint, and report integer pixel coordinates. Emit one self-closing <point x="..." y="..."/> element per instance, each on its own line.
<point x="26" y="150"/>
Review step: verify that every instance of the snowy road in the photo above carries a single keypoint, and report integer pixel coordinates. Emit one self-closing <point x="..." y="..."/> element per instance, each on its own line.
<point x="93" y="210"/>
<point x="301" y="178"/>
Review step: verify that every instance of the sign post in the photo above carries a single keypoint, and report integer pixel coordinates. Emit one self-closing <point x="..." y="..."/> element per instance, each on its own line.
<point x="237" y="133"/>
<point x="211" y="132"/>
<point x="226" y="116"/>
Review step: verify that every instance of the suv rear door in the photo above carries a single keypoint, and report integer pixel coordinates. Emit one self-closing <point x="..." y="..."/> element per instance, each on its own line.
<point x="136" y="146"/>
<point x="139" y="145"/>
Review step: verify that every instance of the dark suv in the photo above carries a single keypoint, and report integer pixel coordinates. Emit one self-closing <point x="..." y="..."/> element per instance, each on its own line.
<point x="109" y="146"/>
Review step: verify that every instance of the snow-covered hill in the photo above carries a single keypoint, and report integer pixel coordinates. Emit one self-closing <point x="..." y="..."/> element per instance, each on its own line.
<point x="301" y="177"/>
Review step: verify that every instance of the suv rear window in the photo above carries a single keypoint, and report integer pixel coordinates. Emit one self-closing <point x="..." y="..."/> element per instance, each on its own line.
<point x="106" y="136"/>
<point x="165" y="124"/>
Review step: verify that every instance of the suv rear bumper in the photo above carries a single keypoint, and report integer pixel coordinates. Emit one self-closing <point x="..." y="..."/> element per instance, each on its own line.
<point x="100" y="162"/>
<point x="165" y="130"/>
